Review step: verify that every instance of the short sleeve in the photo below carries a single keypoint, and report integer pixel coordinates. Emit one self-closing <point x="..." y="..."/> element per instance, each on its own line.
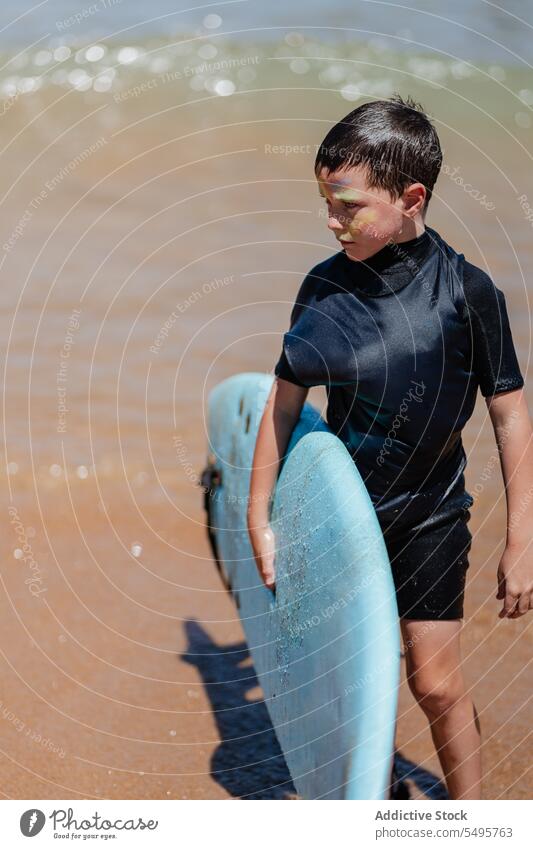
<point x="495" y="362"/>
<point x="282" y="368"/>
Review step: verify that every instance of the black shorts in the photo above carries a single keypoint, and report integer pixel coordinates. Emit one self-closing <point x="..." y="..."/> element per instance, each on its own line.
<point x="428" y="545"/>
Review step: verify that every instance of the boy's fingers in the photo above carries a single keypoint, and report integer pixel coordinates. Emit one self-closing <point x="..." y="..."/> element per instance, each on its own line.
<point x="509" y="604"/>
<point x="523" y="604"/>
<point x="268" y="572"/>
<point x="269" y="581"/>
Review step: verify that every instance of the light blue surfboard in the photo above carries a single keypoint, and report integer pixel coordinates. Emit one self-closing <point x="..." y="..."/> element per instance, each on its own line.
<point x="326" y="645"/>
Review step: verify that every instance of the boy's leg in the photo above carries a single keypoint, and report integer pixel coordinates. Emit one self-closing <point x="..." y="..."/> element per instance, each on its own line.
<point x="434" y="674"/>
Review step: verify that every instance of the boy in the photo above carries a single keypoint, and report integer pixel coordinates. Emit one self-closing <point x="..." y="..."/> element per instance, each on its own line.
<point x="402" y="331"/>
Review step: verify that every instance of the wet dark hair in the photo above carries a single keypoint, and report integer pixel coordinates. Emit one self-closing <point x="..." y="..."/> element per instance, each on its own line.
<point x="393" y="139"/>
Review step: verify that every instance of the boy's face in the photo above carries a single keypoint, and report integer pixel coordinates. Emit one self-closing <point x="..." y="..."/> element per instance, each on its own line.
<point x="364" y="219"/>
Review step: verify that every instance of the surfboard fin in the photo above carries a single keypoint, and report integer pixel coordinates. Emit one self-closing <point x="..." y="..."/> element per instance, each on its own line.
<point x="398" y="788"/>
<point x="210" y="479"/>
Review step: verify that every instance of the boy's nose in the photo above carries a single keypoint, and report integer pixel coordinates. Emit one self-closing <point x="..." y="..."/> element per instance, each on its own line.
<point x="334" y="223"/>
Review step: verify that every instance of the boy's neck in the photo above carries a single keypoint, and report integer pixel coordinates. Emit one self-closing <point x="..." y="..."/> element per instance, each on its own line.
<point x="411" y="230"/>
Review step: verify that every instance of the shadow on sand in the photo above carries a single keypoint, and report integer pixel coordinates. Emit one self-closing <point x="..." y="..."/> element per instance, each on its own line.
<point x="249" y="763"/>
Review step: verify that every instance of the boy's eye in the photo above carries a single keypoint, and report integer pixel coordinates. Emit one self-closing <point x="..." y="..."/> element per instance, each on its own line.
<point x="344" y="203"/>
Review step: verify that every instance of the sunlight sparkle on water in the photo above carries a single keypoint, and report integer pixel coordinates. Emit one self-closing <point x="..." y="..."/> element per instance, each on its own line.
<point x="212" y="21"/>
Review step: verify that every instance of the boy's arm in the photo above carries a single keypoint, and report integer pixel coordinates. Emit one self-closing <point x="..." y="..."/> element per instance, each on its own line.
<point x="281" y="413"/>
<point x="514" y="437"/>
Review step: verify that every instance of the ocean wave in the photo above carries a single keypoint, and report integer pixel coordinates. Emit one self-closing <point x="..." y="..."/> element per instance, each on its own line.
<point x="200" y="64"/>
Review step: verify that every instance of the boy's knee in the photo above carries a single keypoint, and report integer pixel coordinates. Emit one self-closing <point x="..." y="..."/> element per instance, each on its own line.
<point x="436" y="694"/>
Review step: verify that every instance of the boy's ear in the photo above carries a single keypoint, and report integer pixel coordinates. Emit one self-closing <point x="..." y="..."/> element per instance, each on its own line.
<point x="414" y="198"/>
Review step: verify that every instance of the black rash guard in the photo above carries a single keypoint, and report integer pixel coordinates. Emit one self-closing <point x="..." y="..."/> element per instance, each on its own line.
<point x="402" y="341"/>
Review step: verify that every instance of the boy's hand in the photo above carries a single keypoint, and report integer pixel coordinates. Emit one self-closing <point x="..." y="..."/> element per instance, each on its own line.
<point x="263" y="545"/>
<point x="515" y="581"/>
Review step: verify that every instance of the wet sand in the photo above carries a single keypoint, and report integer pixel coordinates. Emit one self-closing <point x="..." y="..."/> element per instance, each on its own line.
<point x="136" y="676"/>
